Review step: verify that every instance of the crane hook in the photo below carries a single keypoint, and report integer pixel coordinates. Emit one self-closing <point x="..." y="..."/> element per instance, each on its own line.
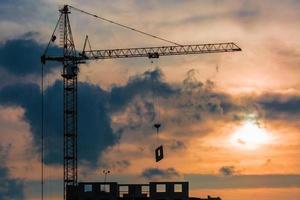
<point x="157" y="126"/>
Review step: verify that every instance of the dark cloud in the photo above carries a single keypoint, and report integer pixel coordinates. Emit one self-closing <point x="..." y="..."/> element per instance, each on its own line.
<point x="279" y="105"/>
<point x="21" y="56"/>
<point x="94" y="104"/>
<point x="28" y="97"/>
<point x="139" y="97"/>
<point x="243" y="181"/>
<point x="142" y="112"/>
<point x="150" y="82"/>
<point x="190" y="102"/>
<point x="198" y="101"/>
<point x="94" y="131"/>
<point x="200" y="97"/>
<point x="156" y="173"/>
<point x="10" y="188"/>
<point x="227" y="171"/>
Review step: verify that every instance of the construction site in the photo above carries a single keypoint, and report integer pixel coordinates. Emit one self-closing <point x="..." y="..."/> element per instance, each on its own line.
<point x="149" y="100"/>
<point x="70" y="60"/>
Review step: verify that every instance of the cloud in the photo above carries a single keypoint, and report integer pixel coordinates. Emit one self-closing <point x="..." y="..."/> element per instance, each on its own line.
<point x="177" y="145"/>
<point x="10" y="188"/>
<point x="189" y="108"/>
<point x="94" y="130"/>
<point x="116" y="166"/>
<point x="156" y="173"/>
<point x="277" y="105"/>
<point x="30" y="10"/>
<point x="21" y="56"/>
<point x="149" y="83"/>
<point x="197" y="99"/>
<point x="241" y="14"/>
<point x="243" y="181"/>
<point x="28" y="15"/>
<point x="190" y="102"/>
<point x="95" y="105"/>
<point x="227" y="171"/>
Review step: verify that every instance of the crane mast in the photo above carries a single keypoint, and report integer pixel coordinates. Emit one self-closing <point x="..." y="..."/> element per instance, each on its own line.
<point x="69" y="74"/>
<point x="70" y="61"/>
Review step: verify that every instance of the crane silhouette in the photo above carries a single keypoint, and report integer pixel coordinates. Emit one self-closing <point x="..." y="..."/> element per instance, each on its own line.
<point x="71" y="59"/>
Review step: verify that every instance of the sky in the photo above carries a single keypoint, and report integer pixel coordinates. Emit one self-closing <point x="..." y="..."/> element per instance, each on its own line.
<point x="229" y="121"/>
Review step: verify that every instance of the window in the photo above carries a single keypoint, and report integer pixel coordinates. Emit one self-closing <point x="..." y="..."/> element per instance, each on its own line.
<point x="145" y="190"/>
<point x="123" y="190"/>
<point x="105" y="188"/>
<point x="161" y="188"/>
<point x="88" y="188"/>
<point x="177" y="187"/>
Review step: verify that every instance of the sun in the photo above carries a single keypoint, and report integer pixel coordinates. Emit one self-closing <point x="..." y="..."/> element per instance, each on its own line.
<point x="250" y="136"/>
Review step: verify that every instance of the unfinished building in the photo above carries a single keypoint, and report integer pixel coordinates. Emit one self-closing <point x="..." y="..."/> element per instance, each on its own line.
<point x="115" y="191"/>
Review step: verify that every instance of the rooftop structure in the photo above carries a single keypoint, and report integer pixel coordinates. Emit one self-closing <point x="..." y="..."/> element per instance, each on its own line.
<point x="115" y="191"/>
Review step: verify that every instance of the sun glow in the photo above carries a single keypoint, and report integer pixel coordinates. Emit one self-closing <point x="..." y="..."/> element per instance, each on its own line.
<point x="250" y="136"/>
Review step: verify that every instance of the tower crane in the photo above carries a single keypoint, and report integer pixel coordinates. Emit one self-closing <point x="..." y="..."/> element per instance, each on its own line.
<point x="71" y="59"/>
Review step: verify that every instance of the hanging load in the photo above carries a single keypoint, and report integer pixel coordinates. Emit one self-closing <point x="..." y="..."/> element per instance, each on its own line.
<point x="159" y="153"/>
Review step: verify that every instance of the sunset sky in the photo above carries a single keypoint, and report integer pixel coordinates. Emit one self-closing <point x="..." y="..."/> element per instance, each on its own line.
<point x="230" y="121"/>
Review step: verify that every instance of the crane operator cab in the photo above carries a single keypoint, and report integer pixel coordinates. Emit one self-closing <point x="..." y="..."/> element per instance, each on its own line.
<point x="70" y="71"/>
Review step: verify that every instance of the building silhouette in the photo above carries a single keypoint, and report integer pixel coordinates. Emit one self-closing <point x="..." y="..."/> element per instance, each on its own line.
<point x="115" y="191"/>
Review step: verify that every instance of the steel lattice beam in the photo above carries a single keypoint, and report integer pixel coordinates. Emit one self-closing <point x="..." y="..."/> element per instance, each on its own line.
<point x="69" y="75"/>
<point x="151" y="52"/>
<point x="155" y="52"/>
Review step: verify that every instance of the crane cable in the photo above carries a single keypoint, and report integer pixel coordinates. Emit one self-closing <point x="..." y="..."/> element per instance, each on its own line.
<point x="42" y="108"/>
<point x="157" y="120"/>
<point x="42" y="133"/>
<point x="125" y="26"/>
<point x="52" y="35"/>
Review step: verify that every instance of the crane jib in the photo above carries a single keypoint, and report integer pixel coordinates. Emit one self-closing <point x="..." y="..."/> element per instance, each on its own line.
<point x="149" y="52"/>
<point x="156" y="52"/>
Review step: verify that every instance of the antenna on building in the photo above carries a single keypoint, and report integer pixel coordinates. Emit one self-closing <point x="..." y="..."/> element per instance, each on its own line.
<point x="105" y="172"/>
